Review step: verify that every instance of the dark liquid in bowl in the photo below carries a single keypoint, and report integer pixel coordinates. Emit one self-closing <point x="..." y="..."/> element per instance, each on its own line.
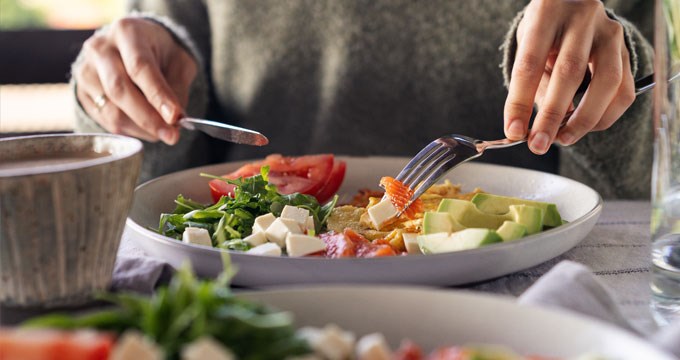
<point x="44" y="160"/>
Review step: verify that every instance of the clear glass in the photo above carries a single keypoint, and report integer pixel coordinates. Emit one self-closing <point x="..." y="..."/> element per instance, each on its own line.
<point x="665" y="222"/>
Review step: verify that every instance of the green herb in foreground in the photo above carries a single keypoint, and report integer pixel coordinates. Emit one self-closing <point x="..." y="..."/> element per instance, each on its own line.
<point x="188" y="309"/>
<point x="232" y="218"/>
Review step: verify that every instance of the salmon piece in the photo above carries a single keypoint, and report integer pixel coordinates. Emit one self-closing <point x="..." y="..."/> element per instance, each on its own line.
<point x="349" y="243"/>
<point x="400" y="194"/>
<point x="338" y="245"/>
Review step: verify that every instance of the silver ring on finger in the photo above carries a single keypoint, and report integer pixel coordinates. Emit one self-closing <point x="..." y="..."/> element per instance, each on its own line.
<point x="100" y="101"/>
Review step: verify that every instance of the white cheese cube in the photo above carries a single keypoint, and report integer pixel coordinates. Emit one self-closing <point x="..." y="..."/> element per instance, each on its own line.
<point x="198" y="236"/>
<point x="381" y="212"/>
<point x="296" y="214"/>
<point x="411" y="243"/>
<point x="310" y="223"/>
<point x="278" y="230"/>
<point x="266" y="249"/>
<point x="262" y="222"/>
<point x="206" y="348"/>
<point x="256" y="238"/>
<point x="134" y="345"/>
<point x="373" y="347"/>
<point x="331" y="342"/>
<point x="301" y="245"/>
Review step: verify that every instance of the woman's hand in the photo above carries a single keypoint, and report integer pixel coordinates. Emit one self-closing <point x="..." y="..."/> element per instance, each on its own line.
<point x="134" y="80"/>
<point x="557" y="42"/>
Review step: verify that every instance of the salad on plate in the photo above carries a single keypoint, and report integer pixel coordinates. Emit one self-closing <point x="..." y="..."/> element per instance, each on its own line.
<point x="287" y="206"/>
<point x="196" y="319"/>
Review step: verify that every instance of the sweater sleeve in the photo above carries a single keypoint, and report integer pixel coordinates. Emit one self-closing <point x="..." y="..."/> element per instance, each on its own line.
<point x="187" y="23"/>
<point x="616" y="162"/>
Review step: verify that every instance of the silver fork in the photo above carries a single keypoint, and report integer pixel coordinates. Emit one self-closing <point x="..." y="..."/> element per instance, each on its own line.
<point x="447" y="152"/>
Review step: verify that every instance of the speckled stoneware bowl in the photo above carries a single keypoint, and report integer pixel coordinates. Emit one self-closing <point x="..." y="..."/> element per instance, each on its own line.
<point x="63" y="204"/>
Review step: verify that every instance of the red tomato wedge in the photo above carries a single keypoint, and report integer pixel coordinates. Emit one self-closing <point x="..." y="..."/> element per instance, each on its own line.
<point x="333" y="184"/>
<point x="39" y="344"/>
<point x="316" y="175"/>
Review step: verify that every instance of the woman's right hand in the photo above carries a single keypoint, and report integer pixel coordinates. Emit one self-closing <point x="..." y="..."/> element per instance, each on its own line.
<point x="134" y="80"/>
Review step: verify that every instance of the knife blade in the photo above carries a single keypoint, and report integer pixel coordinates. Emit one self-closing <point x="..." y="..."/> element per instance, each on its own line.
<point x="225" y="132"/>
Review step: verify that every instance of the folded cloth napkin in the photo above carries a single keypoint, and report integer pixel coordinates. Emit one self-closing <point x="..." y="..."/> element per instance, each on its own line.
<point x="139" y="274"/>
<point x="568" y="285"/>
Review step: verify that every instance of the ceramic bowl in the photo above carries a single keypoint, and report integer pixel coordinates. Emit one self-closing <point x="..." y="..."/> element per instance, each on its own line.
<point x="63" y="203"/>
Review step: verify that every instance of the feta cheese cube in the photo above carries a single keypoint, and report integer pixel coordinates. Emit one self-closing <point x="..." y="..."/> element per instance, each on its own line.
<point x="373" y="347"/>
<point x="198" y="236"/>
<point x="266" y="249"/>
<point x="278" y="230"/>
<point x="263" y="222"/>
<point x="301" y="245"/>
<point x="256" y="238"/>
<point x="381" y="212"/>
<point x="331" y="342"/>
<point x="134" y="345"/>
<point x="206" y="348"/>
<point x="296" y="214"/>
<point x="411" y="243"/>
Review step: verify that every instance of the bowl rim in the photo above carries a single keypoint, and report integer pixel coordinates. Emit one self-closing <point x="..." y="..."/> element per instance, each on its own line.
<point x="135" y="147"/>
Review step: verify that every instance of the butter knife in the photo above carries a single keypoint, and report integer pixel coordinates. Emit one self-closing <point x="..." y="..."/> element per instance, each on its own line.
<point x="225" y="132"/>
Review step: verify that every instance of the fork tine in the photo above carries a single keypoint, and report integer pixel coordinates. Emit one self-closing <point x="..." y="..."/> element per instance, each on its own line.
<point x="422" y="154"/>
<point x="429" y="166"/>
<point x="423" y="163"/>
<point x="438" y="170"/>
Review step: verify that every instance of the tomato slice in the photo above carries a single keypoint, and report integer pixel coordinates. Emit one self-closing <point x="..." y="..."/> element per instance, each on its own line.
<point x="23" y="344"/>
<point x="304" y="174"/>
<point x="333" y="184"/>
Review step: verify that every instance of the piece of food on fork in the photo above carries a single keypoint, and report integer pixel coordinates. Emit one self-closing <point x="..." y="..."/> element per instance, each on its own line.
<point x="388" y="212"/>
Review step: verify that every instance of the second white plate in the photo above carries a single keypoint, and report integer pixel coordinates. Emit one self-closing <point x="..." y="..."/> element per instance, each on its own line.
<point x="436" y="318"/>
<point x="578" y="204"/>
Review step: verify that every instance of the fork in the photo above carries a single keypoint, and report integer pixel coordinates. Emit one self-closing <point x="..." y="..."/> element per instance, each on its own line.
<point x="447" y="152"/>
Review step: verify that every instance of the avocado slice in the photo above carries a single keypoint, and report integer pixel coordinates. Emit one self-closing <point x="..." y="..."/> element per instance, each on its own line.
<point x="529" y="216"/>
<point x="434" y="222"/>
<point x="511" y="230"/>
<point x="467" y="214"/>
<point x="497" y="204"/>
<point x="471" y="238"/>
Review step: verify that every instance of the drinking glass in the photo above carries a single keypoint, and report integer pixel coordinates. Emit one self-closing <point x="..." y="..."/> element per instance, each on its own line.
<point x="665" y="221"/>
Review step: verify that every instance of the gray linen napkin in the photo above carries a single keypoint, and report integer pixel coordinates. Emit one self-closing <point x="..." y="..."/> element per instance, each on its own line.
<point x="570" y="285"/>
<point x="139" y="274"/>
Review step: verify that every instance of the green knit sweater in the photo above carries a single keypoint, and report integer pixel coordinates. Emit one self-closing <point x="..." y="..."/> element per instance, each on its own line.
<point x="379" y="77"/>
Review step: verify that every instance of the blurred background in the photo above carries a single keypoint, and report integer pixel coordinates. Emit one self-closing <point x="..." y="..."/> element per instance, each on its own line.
<point x="39" y="39"/>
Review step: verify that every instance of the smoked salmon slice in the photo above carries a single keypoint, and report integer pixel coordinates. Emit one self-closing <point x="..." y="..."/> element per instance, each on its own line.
<point x="400" y="195"/>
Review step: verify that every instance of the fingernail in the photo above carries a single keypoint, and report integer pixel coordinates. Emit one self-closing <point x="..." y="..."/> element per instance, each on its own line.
<point x="539" y="143"/>
<point x="566" y="138"/>
<point x="516" y="129"/>
<point x="166" y="112"/>
<point x="167" y="136"/>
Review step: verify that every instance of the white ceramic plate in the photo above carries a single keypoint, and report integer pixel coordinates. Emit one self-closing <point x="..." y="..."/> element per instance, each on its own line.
<point x="578" y="204"/>
<point x="434" y="318"/>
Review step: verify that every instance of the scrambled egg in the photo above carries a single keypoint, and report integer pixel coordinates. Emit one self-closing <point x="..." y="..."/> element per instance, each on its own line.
<point x="356" y="218"/>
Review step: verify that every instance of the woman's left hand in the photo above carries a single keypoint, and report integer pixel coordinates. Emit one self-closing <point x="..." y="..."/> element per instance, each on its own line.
<point x="557" y="42"/>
